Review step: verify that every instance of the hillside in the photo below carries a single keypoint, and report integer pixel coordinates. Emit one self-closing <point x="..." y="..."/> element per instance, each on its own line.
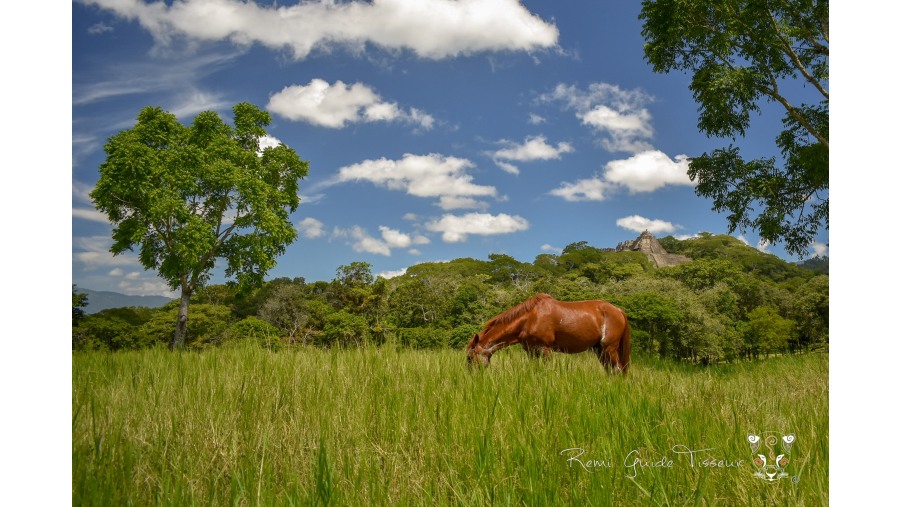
<point x="725" y="247"/>
<point x="102" y="300"/>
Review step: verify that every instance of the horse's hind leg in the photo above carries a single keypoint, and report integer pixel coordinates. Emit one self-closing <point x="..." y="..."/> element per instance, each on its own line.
<point x="609" y="357"/>
<point x="603" y="356"/>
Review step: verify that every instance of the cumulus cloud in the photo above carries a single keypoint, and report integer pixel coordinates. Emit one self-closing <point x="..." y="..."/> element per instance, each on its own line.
<point x="387" y="275"/>
<point x="547" y="247"/>
<point x="362" y="241"/>
<point x="820" y="249"/>
<point x="620" y="115"/>
<point x="534" y="148"/>
<point x="336" y="105"/>
<point x="638" y="223"/>
<point x="433" y="175"/>
<point x="591" y="189"/>
<point x="311" y="228"/>
<point x="626" y="124"/>
<point x="432" y="29"/>
<point x="764" y="246"/>
<point x="535" y="119"/>
<point x="399" y="239"/>
<point x="649" y="171"/>
<point x="456" y="228"/>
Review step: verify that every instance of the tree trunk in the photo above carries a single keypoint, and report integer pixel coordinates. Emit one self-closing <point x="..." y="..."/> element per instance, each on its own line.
<point x="181" y="324"/>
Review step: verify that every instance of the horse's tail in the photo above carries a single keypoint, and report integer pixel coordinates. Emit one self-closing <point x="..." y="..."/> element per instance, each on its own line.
<point x="625" y="347"/>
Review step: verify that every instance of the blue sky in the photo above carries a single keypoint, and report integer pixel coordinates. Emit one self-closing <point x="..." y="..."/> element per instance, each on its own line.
<point x="434" y="129"/>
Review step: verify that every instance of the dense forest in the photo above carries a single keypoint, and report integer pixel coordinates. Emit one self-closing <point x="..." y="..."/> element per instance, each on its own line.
<point x="730" y="302"/>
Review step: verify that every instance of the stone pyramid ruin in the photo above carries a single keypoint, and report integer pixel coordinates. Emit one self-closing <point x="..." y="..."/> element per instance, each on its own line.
<point x="651" y="247"/>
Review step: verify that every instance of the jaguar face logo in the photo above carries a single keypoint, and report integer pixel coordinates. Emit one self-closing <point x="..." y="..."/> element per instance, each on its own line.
<point x="771" y="454"/>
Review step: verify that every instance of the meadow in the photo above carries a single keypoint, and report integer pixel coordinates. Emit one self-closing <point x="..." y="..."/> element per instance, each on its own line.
<point x="395" y="426"/>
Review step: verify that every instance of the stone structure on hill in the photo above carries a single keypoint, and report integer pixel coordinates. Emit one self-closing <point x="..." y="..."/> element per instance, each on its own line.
<point x="651" y="247"/>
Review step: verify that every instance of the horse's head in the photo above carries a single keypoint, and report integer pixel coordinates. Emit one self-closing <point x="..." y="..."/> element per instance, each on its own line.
<point x="476" y="354"/>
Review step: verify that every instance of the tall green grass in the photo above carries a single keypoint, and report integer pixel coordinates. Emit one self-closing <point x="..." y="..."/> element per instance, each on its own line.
<point x="385" y="426"/>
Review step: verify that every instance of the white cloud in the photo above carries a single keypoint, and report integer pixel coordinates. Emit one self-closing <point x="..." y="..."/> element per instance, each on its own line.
<point x="429" y="28"/>
<point x="362" y="241"/>
<point x="638" y="223"/>
<point x="390" y="238"/>
<point x="764" y="246"/>
<point x="391" y="274"/>
<point x="116" y="272"/>
<point x="430" y="175"/>
<point x="648" y="171"/>
<point x="507" y="167"/>
<point x="820" y="249"/>
<point x="398" y="239"/>
<point x="743" y="240"/>
<point x="455" y="228"/>
<point x="535" y="119"/>
<point x="268" y="142"/>
<point x="90" y="214"/>
<point x="620" y="114"/>
<point x="627" y="130"/>
<point x="311" y="228"/>
<point x="334" y="106"/>
<point x="534" y="148"/>
<point x="546" y="247"/>
<point x="591" y="189"/>
<point x="145" y="286"/>
<point x="93" y="252"/>
<point x="99" y="28"/>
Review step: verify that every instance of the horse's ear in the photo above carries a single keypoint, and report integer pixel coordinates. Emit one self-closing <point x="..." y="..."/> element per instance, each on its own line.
<point x="473" y="342"/>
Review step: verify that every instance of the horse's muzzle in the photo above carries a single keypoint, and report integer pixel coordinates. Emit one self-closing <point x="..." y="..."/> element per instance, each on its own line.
<point x="477" y="358"/>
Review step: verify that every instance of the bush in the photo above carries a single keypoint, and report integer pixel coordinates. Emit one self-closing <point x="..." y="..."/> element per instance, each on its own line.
<point x="424" y="337"/>
<point x="460" y="335"/>
<point x="108" y="330"/>
<point x="256" y="330"/>
<point x="206" y="325"/>
<point x="344" y="329"/>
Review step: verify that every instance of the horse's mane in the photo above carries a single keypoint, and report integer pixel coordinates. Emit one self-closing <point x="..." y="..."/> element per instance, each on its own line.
<point x="516" y="311"/>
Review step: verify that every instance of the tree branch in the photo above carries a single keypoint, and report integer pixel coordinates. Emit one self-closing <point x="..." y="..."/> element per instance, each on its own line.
<point x="786" y="47"/>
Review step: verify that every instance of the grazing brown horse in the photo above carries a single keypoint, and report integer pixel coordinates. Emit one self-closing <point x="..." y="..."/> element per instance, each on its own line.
<point x="542" y="324"/>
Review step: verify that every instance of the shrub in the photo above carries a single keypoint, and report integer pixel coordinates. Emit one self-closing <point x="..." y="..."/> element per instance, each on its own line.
<point x="344" y="329"/>
<point x="460" y="335"/>
<point x="256" y="330"/>
<point x="424" y="337"/>
<point x="206" y="325"/>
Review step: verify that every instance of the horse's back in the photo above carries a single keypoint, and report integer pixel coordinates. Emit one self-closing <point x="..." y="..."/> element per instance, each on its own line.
<point x="576" y="326"/>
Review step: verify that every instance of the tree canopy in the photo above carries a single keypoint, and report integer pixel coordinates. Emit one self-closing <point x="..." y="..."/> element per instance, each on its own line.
<point x="187" y="195"/>
<point x="741" y="53"/>
<point x="706" y="310"/>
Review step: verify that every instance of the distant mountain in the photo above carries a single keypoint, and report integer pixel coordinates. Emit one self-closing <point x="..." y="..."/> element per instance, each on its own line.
<point x="102" y="300"/>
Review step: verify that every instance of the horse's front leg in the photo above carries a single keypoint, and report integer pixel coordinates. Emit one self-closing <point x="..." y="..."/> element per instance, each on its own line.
<point x="537" y="351"/>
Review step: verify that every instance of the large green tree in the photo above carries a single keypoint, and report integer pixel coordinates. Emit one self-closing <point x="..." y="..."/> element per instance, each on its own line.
<point x="741" y="53"/>
<point x="186" y="195"/>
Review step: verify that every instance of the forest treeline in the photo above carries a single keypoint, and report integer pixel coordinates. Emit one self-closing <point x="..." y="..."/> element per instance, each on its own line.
<point x="731" y="301"/>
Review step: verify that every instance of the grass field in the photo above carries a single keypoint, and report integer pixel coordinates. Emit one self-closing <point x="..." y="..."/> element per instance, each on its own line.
<point x="385" y="426"/>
